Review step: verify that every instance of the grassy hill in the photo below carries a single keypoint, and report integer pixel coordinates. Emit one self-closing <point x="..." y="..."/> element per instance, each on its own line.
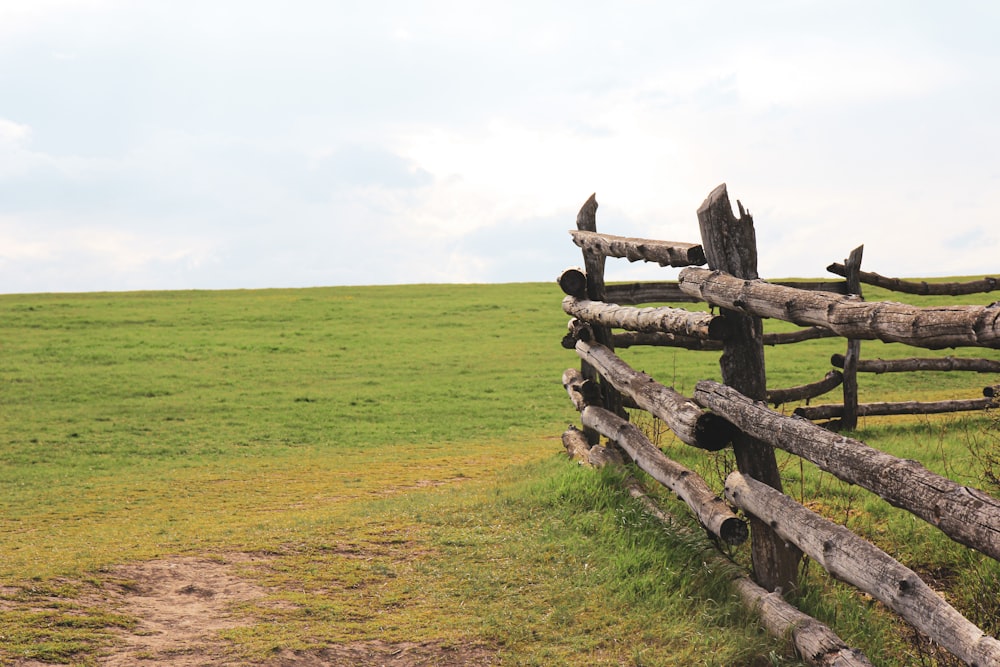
<point x="384" y="464"/>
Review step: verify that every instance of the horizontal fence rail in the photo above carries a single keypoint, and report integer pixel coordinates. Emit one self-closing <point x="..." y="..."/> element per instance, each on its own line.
<point x="647" y="320"/>
<point x="915" y="364"/>
<point x="987" y="284"/>
<point x="933" y="328"/>
<point x="665" y="253"/>
<point x="834" y="410"/>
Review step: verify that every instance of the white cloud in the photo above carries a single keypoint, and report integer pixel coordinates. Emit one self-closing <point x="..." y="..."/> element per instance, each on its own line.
<point x="13" y="134"/>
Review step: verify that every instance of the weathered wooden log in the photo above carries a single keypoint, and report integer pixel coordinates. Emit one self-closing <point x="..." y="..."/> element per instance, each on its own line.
<point x="630" y="294"/>
<point x="731" y="246"/>
<point x="633" y="338"/>
<point x="575" y="443"/>
<point x="837" y="287"/>
<point x="992" y="392"/>
<point x="690" y="424"/>
<point x="934" y="328"/>
<point x="834" y="410"/>
<point x="814" y="642"/>
<point x="647" y="320"/>
<point x="849" y="419"/>
<point x="664" y="253"/>
<point x="808" y="333"/>
<point x="915" y="364"/>
<point x="711" y="511"/>
<point x="600" y="455"/>
<point x="778" y="396"/>
<point x="573" y="281"/>
<point x="630" y="339"/>
<point x="987" y="284"/>
<point x="582" y="392"/>
<point x="863" y="565"/>
<point x="965" y="514"/>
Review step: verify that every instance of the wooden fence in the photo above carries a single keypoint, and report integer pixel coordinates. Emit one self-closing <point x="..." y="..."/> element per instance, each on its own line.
<point x="735" y="413"/>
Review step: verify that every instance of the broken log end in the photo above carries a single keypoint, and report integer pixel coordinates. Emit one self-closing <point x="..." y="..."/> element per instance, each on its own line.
<point x="713" y="433"/>
<point x="734" y="531"/>
<point x="573" y="282"/>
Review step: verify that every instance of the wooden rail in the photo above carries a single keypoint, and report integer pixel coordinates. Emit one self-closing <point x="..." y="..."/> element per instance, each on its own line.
<point x="933" y="328"/>
<point x="922" y="287"/>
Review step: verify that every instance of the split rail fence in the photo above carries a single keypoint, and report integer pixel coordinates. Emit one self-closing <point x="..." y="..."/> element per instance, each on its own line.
<point x="735" y="413"/>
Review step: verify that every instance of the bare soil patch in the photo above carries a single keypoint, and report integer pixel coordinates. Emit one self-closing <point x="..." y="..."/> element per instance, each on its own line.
<point x="182" y="603"/>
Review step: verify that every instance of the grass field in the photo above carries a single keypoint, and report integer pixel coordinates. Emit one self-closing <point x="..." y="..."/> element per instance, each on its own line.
<point x="384" y="462"/>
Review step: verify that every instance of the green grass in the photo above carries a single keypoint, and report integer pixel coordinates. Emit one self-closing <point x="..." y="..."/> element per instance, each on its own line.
<point x="392" y="453"/>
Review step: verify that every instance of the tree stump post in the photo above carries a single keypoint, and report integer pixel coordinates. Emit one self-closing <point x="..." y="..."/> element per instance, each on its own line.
<point x="849" y="420"/>
<point x="730" y="245"/>
<point x="586" y="221"/>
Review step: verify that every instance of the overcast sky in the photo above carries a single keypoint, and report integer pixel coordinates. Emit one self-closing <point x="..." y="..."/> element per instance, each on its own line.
<point x="242" y="144"/>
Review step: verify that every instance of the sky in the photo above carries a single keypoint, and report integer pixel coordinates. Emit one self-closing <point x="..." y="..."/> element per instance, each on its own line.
<point x="217" y="144"/>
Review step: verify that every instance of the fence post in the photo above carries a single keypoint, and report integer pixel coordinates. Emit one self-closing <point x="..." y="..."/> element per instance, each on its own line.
<point x="731" y="246"/>
<point x="849" y="420"/>
<point x="586" y="221"/>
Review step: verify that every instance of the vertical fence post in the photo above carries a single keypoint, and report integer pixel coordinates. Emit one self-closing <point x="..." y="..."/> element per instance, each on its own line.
<point x="731" y="246"/>
<point x="586" y="221"/>
<point x="849" y="419"/>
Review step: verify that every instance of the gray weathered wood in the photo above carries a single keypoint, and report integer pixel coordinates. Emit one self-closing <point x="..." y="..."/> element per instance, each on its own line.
<point x="647" y="320"/>
<point x="599" y="456"/>
<point x="987" y="284"/>
<point x="691" y="343"/>
<point x="933" y="327"/>
<point x="691" y="424"/>
<point x="837" y="287"/>
<point x="586" y="221"/>
<point x="863" y="565"/>
<point x="802" y="392"/>
<point x="807" y="333"/>
<point x="575" y="443"/>
<point x="835" y="410"/>
<point x="731" y="246"/>
<point x="630" y="294"/>
<point x="582" y="392"/>
<point x="849" y="418"/>
<point x="711" y="510"/>
<point x="632" y="338"/>
<point x="967" y="515"/>
<point x="917" y="364"/>
<point x="664" y="253"/>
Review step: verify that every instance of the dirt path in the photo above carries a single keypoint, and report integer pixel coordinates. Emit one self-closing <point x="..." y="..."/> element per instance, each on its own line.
<point x="182" y="604"/>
